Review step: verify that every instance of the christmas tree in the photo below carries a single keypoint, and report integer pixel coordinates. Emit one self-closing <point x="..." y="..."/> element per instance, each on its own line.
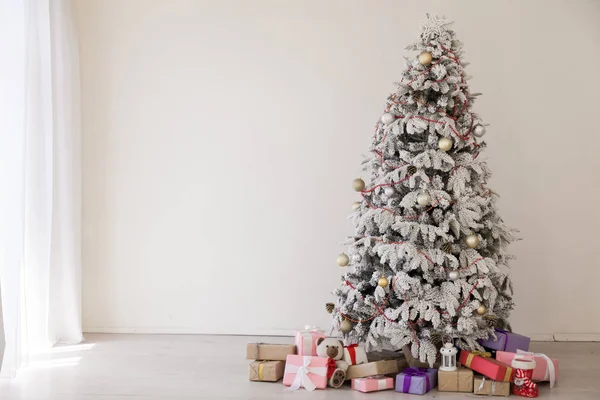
<point x="427" y="262"/>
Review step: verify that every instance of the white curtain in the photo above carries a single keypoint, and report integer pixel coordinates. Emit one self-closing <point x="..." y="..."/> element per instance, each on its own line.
<point x="40" y="178"/>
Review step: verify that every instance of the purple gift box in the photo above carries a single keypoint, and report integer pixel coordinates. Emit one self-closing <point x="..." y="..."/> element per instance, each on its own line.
<point x="416" y="380"/>
<point x="506" y="341"/>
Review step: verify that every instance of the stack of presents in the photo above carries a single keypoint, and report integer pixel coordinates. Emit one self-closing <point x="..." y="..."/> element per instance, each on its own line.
<point x="315" y="362"/>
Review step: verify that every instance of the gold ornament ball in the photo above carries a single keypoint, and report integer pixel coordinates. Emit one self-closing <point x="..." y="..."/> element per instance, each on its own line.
<point x="356" y="205"/>
<point x="481" y="310"/>
<point x="423" y="199"/>
<point x="345" y="326"/>
<point x="358" y="184"/>
<point x="343" y="260"/>
<point x="425" y="58"/>
<point x="472" y="241"/>
<point x="445" y="144"/>
<point x="383" y="282"/>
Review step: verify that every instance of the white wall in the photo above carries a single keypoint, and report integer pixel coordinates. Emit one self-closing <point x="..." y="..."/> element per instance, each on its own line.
<point x="221" y="138"/>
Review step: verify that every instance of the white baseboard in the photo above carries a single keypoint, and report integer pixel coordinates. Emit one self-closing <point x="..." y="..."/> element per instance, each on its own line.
<point x="535" y="337"/>
<point x="540" y="337"/>
<point x="186" y="331"/>
<point x="577" y="337"/>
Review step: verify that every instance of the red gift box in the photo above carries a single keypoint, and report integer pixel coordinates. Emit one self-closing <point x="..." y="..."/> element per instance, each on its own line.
<point x="480" y="362"/>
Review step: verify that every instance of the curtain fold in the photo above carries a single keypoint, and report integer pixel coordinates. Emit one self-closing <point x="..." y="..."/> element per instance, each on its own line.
<point x="40" y="181"/>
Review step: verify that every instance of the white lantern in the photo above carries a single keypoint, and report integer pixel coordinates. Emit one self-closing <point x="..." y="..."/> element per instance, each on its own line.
<point x="448" y="357"/>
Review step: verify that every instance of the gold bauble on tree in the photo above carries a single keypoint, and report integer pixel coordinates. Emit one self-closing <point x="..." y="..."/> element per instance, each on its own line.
<point x="345" y="326"/>
<point x="425" y="58"/>
<point x="481" y="310"/>
<point x="472" y="241"/>
<point x="445" y="144"/>
<point x="358" y="184"/>
<point x="343" y="260"/>
<point x="383" y="282"/>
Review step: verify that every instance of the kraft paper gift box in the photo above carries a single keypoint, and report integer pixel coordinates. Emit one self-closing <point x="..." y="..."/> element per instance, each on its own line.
<point x="268" y="351"/>
<point x="372" y="384"/>
<point x="416" y="380"/>
<point x="305" y="371"/>
<point x="306" y="340"/>
<point x="383" y="367"/>
<point x="266" y="371"/>
<point x="506" y="341"/>
<point x="389" y="355"/>
<point x="483" y="385"/>
<point x="460" y="380"/>
<point x="546" y="368"/>
<point x="482" y="363"/>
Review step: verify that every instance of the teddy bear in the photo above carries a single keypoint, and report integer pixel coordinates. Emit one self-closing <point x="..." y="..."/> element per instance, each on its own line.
<point x="333" y="349"/>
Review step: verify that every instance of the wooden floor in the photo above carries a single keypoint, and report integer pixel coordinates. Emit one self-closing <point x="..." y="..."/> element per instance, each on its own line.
<point x="126" y="367"/>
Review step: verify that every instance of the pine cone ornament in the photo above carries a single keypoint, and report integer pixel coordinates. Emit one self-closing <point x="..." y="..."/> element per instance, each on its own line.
<point x="436" y="338"/>
<point x="492" y="321"/>
<point x="329" y="307"/>
<point x="411" y="170"/>
<point x="447" y="247"/>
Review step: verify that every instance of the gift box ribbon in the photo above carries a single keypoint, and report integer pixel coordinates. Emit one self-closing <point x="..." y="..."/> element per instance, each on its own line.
<point x="550" y="370"/>
<point x="483" y="354"/>
<point x="302" y="379"/>
<point x="506" y="340"/>
<point x="352" y="352"/>
<point x="409" y="373"/>
<point x="381" y="380"/>
<point x="259" y="370"/>
<point x="480" y="387"/>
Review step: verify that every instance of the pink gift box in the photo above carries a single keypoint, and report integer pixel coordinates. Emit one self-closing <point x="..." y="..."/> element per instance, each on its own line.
<point x="541" y="372"/>
<point x="372" y="384"/>
<point x="306" y="341"/>
<point x="305" y="371"/>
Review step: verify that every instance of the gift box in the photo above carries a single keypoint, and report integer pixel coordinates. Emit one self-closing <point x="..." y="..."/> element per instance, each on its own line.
<point x="483" y="385"/>
<point x="383" y="367"/>
<point x="482" y="363"/>
<point x="355" y="354"/>
<point x="267" y="351"/>
<point x="546" y="368"/>
<point x="416" y="380"/>
<point x="305" y="371"/>
<point x="460" y="380"/>
<point x="389" y="355"/>
<point x="372" y="384"/>
<point x="266" y="371"/>
<point x="306" y="340"/>
<point x="506" y="341"/>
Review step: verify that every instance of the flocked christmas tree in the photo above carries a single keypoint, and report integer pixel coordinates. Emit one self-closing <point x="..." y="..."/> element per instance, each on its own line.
<point x="427" y="262"/>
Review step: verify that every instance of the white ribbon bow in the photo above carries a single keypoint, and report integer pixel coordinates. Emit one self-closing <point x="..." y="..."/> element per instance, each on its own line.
<point x="302" y="371"/>
<point x="312" y="328"/>
<point x="550" y="371"/>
